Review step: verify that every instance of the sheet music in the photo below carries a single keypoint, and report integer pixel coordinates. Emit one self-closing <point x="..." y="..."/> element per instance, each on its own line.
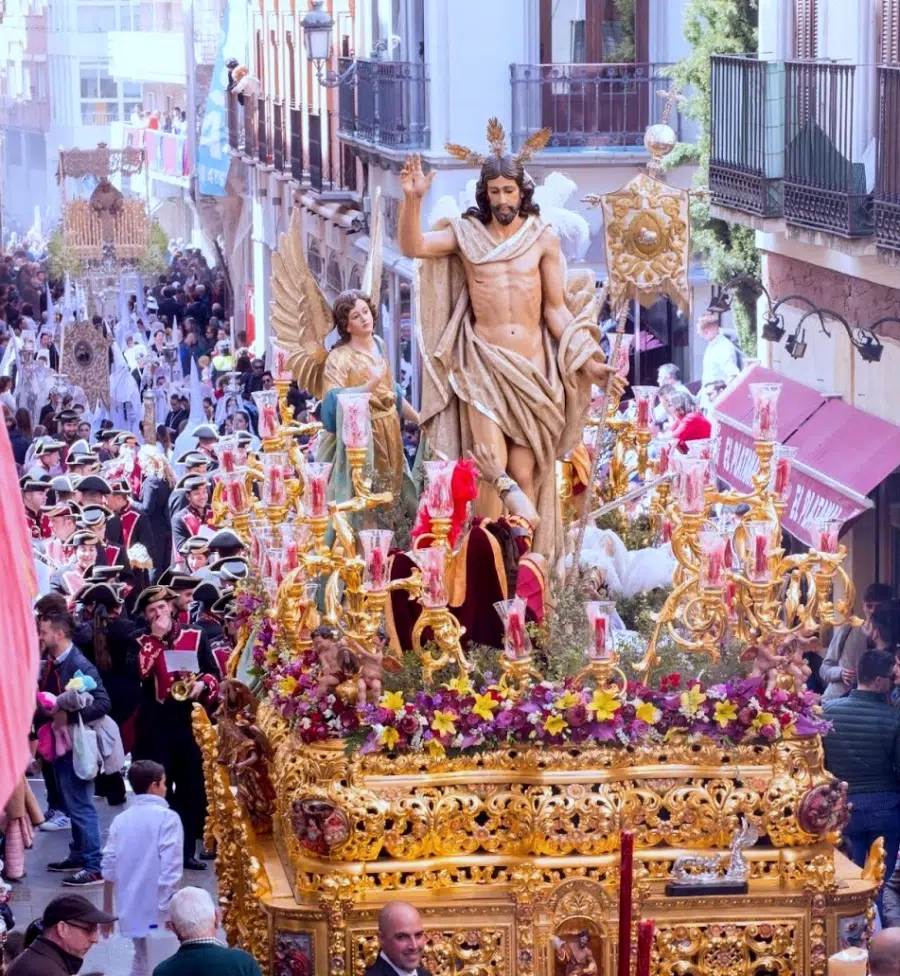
<point x="181" y="661"/>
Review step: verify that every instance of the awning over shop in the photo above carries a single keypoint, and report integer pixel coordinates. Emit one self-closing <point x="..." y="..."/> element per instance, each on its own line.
<point x="843" y="452"/>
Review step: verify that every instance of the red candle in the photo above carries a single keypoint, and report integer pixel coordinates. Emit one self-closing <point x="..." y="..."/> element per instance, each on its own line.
<point x="667" y="531"/>
<point x="600" y="634"/>
<point x="377" y="579"/>
<point x="730" y="594"/>
<point x="626" y="881"/>
<point x="316" y="497"/>
<point x="663" y="464"/>
<point x="268" y="421"/>
<point x="715" y="569"/>
<point x="761" y="556"/>
<point x="236" y="497"/>
<point x="226" y="459"/>
<point x="276" y="486"/>
<point x="515" y="629"/>
<point x="643" y="414"/>
<point x="644" y="947"/>
<point x="782" y="476"/>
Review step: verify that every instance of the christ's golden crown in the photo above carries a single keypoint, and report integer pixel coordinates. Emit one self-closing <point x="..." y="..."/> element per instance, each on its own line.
<point x="496" y="137"/>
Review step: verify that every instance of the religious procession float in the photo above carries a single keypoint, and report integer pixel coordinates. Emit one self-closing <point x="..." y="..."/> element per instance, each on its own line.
<point x="463" y="717"/>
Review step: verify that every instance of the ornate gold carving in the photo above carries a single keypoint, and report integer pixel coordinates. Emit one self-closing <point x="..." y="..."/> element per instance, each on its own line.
<point x="728" y="948"/>
<point x="647" y="242"/>
<point x="86" y="360"/>
<point x="448" y="952"/>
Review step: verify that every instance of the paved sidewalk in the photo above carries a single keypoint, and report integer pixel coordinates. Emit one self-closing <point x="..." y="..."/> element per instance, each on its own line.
<point x="29" y="897"/>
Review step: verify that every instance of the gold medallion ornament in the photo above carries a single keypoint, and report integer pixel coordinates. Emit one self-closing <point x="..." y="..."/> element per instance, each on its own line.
<point x="647" y="237"/>
<point x="86" y="361"/>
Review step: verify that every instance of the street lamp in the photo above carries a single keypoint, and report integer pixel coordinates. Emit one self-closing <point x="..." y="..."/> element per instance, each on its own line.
<point x="317" y="27"/>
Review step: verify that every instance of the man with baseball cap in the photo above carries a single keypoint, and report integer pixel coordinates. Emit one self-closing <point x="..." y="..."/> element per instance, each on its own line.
<point x="70" y="926"/>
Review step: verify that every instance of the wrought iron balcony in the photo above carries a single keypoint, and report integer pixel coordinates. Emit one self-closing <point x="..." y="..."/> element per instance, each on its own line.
<point x="235" y="128"/>
<point x="825" y="186"/>
<point x="887" y="186"/>
<point x="332" y="167"/>
<point x="278" y="113"/>
<point x="385" y="103"/>
<point x="746" y="141"/>
<point x="264" y="153"/>
<point x="297" y="144"/>
<point x="588" y="106"/>
<point x="250" y="123"/>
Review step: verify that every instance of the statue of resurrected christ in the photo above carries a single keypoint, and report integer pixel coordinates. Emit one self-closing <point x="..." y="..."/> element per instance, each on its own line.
<point x="509" y="338"/>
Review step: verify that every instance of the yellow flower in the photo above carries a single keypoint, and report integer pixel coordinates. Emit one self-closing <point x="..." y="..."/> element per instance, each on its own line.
<point x="647" y="712"/>
<point x="389" y="736"/>
<point x="434" y="748"/>
<point x="554" y="724"/>
<point x="287" y="686"/>
<point x="569" y="699"/>
<point x="392" y="700"/>
<point x="484" y="707"/>
<point x="460" y="685"/>
<point x="272" y="656"/>
<point x="691" y="700"/>
<point x="604" y="705"/>
<point x="764" y="718"/>
<point x="444" y="722"/>
<point x="725" y="712"/>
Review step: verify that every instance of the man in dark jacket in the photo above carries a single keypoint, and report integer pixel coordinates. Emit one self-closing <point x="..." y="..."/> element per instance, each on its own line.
<point x="63" y="659"/>
<point x="863" y="749"/>
<point x="69" y="928"/>
<point x="402" y="938"/>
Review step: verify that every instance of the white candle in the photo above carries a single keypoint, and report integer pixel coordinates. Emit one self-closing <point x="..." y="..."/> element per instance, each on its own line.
<point x="848" y="962"/>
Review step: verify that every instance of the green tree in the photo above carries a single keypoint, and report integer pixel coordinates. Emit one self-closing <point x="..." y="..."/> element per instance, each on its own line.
<point x="727" y="250"/>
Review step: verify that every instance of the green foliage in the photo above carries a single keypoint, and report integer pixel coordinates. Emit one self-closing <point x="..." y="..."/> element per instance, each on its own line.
<point x="727" y="250"/>
<point x="153" y="262"/>
<point x="61" y="259"/>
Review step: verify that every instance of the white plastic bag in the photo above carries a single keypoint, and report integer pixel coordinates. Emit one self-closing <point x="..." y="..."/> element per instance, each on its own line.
<point x="85" y="752"/>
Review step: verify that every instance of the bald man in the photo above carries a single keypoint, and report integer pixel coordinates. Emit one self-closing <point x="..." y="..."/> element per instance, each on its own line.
<point x="402" y="939"/>
<point x="884" y="953"/>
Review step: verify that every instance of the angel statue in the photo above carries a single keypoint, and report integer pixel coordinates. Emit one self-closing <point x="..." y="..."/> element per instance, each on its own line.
<point x="509" y="338"/>
<point x="357" y="362"/>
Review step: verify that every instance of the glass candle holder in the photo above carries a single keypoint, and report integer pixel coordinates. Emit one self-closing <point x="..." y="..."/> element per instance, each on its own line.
<point x="825" y="535"/>
<point x="267" y="541"/>
<point x="516" y="642"/>
<point x="376" y="544"/>
<point x="431" y="563"/>
<point x="267" y="406"/>
<point x="780" y="483"/>
<point x="226" y="452"/>
<point x="438" y="492"/>
<point x="643" y="406"/>
<point x="664" y="445"/>
<point x="758" y="562"/>
<point x="712" y="559"/>
<point x="234" y="486"/>
<point x="356" y="424"/>
<point x="315" y="494"/>
<point x="690" y="483"/>
<point x="622" y="356"/>
<point x="280" y="369"/>
<point x="599" y="614"/>
<point x="293" y="536"/>
<point x="275" y="564"/>
<point x="765" y="410"/>
<point x="274" y="490"/>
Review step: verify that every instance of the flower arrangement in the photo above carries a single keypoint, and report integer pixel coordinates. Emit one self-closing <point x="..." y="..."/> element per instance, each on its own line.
<point x="459" y="717"/>
<point x="291" y="690"/>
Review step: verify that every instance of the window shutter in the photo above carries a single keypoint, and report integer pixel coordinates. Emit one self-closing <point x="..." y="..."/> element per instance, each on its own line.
<point x="806" y="28"/>
<point x="890" y="31"/>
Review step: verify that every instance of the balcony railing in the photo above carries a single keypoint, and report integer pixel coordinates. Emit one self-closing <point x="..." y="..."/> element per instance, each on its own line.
<point x="588" y="106"/>
<point x="297" y="144"/>
<point x="278" y="135"/>
<point x="746" y="152"/>
<point x="386" y="103"/>
<point x="249" y="110"/>
<point x="166" y="153"/>
<point x="887" y="187"/>
<point x="262" y="132"/>
<point x="235" y="129"/>
<point x="32" y="113"/>
<point x="825" y="187"/>
<point x="331" y="166"/>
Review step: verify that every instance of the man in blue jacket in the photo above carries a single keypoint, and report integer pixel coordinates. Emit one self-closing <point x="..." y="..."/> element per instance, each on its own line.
<point x="863" y="749"/>
<point x="61" y="660"/>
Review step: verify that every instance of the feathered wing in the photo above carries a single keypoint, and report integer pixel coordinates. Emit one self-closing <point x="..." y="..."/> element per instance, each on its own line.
<point x="371" y="280"/>
<point x="301" y="315"/>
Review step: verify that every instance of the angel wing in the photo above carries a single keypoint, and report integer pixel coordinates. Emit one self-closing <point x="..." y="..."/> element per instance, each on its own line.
<point x="301" y="315"/>
<point x="371" y="280"/>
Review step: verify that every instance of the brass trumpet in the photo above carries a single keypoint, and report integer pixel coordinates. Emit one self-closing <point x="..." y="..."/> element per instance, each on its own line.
<point x="181" y="689"/>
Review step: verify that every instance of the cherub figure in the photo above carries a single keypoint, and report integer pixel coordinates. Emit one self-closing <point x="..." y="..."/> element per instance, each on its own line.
<point x="766" y="663"/>
<point x="371" y="669"/>
<point x="795" y="666"/>
<point x="336" y="661"/>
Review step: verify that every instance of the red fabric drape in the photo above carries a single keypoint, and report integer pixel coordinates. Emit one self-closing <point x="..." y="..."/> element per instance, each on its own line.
<point x="19" y="654"/>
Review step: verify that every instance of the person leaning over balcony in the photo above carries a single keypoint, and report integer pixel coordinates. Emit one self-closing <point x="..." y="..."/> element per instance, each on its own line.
<point x="838" y="671"/>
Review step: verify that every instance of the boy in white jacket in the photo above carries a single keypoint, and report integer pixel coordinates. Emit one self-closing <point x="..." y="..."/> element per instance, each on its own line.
<point x="142" y="860"/>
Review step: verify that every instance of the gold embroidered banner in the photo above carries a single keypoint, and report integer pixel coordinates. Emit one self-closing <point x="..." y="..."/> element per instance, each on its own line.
<point x="86" y="361"/>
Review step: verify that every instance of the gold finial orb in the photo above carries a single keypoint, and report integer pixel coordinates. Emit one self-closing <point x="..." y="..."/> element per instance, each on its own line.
<point x="660" y="140"/>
